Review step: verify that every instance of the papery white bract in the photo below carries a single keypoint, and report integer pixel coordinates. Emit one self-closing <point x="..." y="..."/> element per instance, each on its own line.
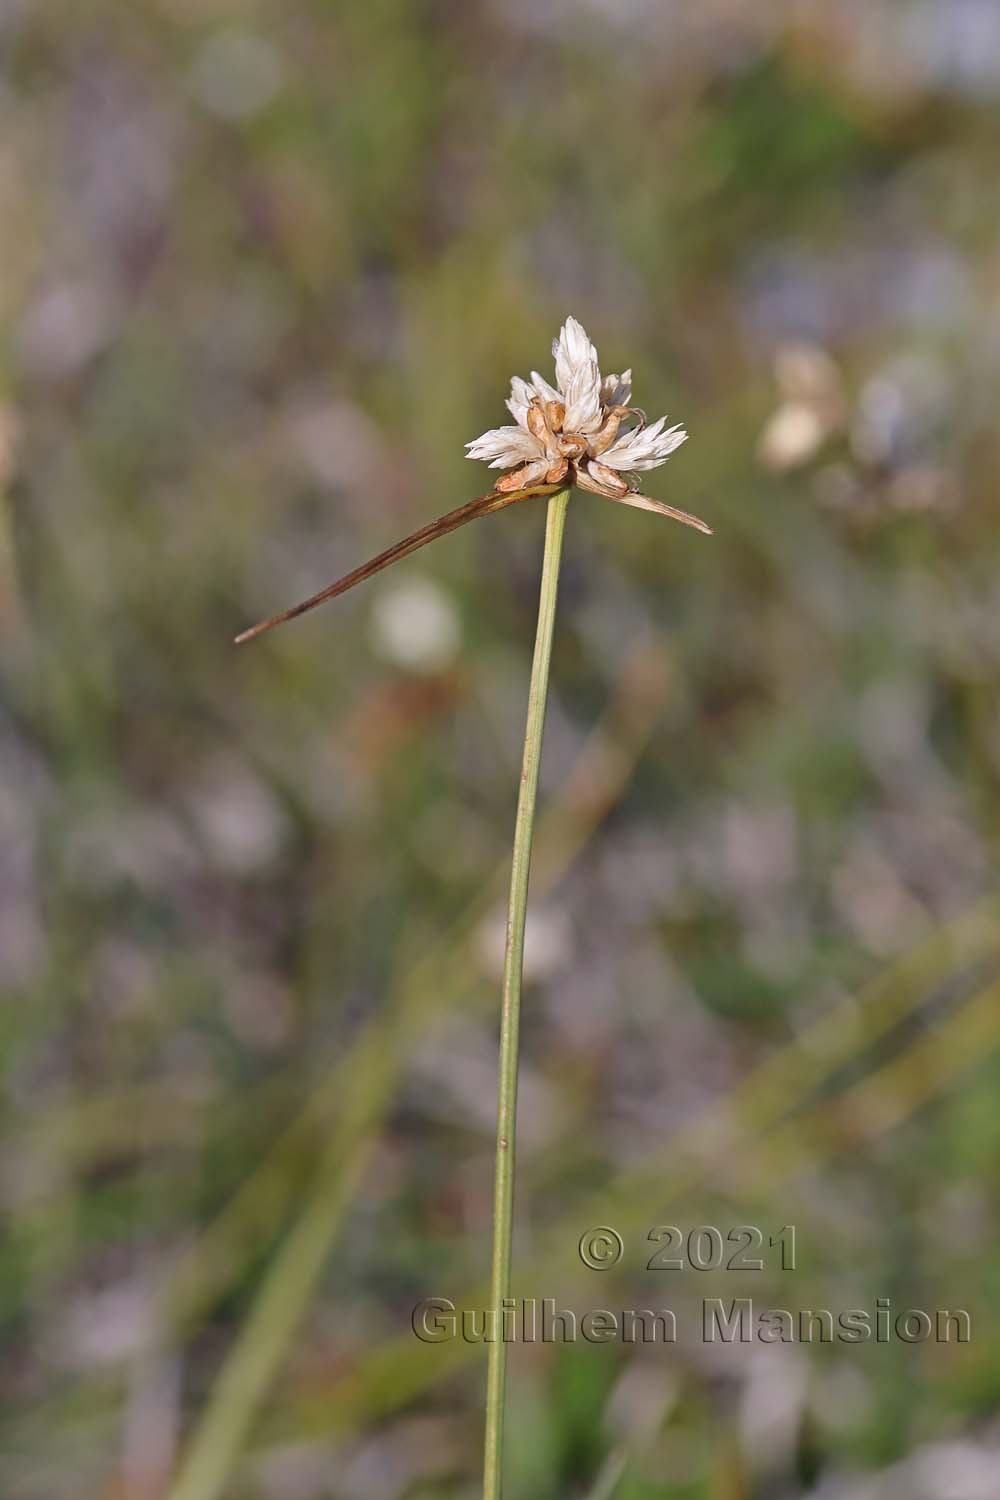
<point x="644" y="447"/>
<point x="503" y="446"/>
<point x="583" y="430"/>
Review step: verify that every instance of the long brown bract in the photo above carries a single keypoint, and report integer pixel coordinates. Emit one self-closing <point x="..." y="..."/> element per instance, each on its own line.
<point x="483" y="505"/>
<point x="657" y="508"/>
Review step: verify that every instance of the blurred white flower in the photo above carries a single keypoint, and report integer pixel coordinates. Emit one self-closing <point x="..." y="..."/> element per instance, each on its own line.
<point x="416" y="625"/>
<point x="811" y="406"/>
<point x="583" y="430"/>
<point x="236" y="73"/>
<point x="548" y="944"/>
<point x="793" y="434"/>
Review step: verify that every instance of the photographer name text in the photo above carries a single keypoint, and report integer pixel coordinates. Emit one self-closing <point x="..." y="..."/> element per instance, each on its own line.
<point x="736" y="1320"/>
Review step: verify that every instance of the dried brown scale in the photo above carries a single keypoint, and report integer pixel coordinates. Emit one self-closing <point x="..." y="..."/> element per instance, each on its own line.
<point x="564" y="451"/>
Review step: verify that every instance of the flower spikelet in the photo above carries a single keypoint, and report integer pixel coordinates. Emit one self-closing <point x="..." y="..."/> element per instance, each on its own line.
<point x="583" y="431"/>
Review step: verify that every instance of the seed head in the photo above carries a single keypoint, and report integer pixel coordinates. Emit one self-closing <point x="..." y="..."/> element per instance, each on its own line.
<point x="584" y="430"/>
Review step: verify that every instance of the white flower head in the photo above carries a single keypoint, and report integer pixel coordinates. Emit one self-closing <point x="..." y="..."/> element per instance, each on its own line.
<point x="582" y="431"/>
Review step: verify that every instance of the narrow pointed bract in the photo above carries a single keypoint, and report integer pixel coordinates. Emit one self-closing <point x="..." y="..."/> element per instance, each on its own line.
<point x="483" y="505"/>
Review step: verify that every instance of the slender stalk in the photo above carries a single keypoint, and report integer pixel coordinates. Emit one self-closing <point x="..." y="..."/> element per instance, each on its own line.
<point x="510" y="1013"/>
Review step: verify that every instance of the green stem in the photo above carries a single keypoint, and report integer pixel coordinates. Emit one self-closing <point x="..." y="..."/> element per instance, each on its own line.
<point x="510" y="1013"/>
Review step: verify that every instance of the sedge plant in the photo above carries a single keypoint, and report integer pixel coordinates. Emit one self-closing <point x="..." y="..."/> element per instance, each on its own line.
<point x="582" y="432"/>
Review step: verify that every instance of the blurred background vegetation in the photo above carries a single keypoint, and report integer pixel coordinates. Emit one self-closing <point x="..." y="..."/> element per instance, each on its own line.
<point x="264" y="271"/>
